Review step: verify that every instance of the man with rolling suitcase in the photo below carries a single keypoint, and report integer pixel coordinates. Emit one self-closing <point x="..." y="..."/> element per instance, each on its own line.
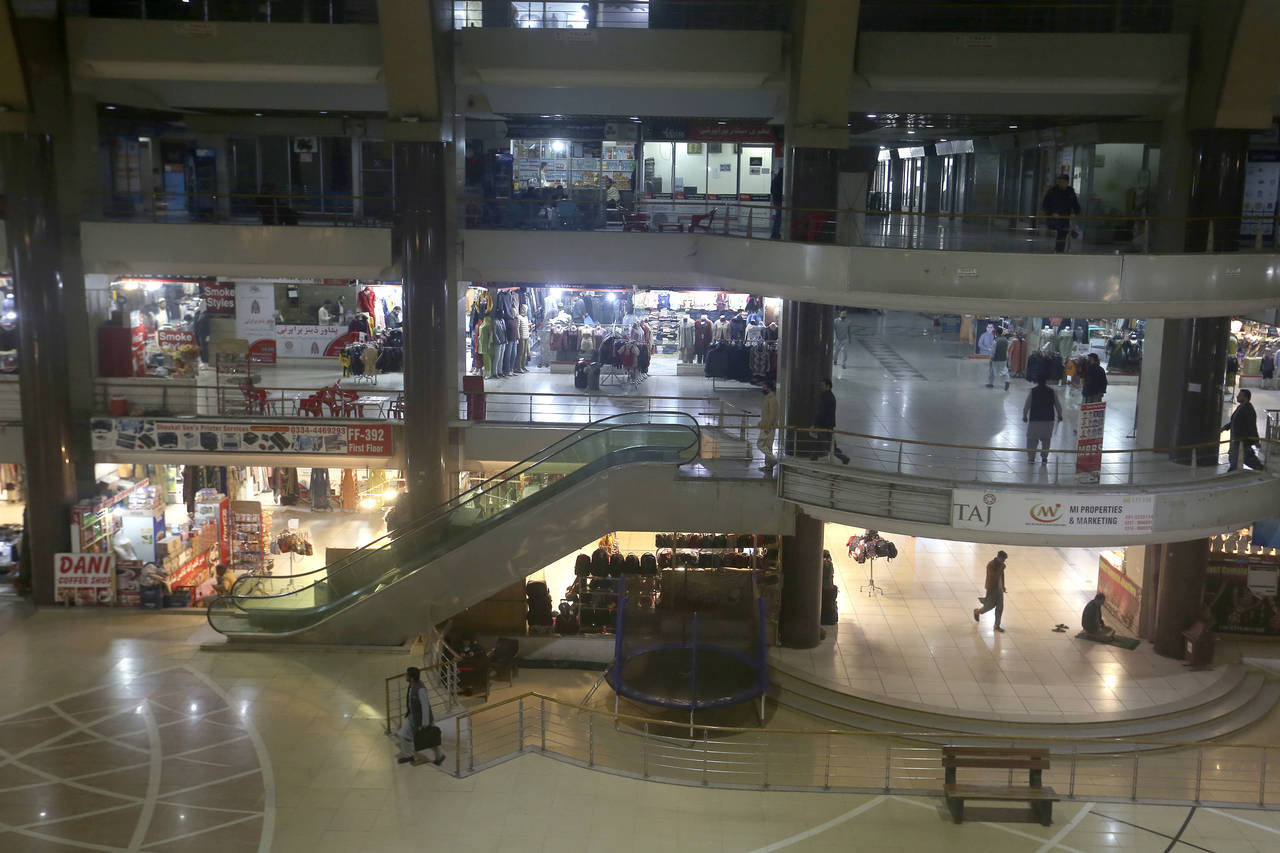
<point x="414" y="734"/>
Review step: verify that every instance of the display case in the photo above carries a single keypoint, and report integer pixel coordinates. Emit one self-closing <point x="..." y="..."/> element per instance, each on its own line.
<point x="250" y="538"/>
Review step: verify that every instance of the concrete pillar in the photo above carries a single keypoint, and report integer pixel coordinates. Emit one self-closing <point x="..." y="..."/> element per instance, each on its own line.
<point x="1151" y="557"/>
<point x="808" y="343"/>
<point x="801" y="606"/>
<point x="422" y="239"/>
<point x="1179" y="594"/>
<point x="50" y="455"/>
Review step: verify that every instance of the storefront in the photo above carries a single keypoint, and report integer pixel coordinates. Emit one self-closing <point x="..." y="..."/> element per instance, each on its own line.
<point x="625" y="333"/>
<point x="164" y="528"/>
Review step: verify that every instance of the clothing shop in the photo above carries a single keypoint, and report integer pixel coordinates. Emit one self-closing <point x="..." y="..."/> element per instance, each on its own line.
<point x="1060" y="341"/>
<point x="12" y="519"/>
<point x="1255" y="347"/>
<point x="167" y="527"/>
<point x="8" y="327"/>
<point x="577" y="594"/>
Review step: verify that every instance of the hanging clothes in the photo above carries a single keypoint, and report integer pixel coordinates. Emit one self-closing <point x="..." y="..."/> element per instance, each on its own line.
<point x="320" y="489"/>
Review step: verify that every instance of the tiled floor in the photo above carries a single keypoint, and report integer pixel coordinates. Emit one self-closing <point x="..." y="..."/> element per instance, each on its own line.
<point x="299" y="739"/>
<point x="917" y="643"/>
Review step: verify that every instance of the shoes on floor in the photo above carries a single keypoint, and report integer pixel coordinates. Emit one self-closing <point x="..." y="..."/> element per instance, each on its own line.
<point x="439" y="760"/>
<point x="1006" y="386"/>
<point x="975" y="614"/>
<point x="1044" y="460"/>
<point x="998" y="628"/>
<point x="404" y="759"/>
<point x="989" y="385"/>
<point x="1031" y="461"/>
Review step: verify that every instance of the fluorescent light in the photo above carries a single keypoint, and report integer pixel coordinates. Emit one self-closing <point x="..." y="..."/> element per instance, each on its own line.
<point x="873" y="115"/>
<point x="1013" y="127"/>
<point x="912" y="132"/>
<point x="110" y="107"/>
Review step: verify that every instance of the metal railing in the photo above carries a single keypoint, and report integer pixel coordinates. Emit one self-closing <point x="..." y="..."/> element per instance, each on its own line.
<point x="258" y="11"/>
<point x="632" y="14"/>
<point x="166" y="398"/>
<point x="535" y="407"/>
<point x="1141" y="466"/>
<point x="732" y="216"/>
<point x="441" y="681"/>
<point x="1110" y="769"/>
<point x="1016" y="16"/>
<point x="235" y="208"/>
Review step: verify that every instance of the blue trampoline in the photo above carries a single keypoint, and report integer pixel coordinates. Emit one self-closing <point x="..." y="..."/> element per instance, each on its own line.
<point x="701" y="645"/>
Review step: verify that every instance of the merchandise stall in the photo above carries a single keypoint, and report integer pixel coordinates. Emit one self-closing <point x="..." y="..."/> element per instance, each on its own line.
<point x="1241" y="584"/>
<point x="154" y="327"/>
<point x="8" y="327"/>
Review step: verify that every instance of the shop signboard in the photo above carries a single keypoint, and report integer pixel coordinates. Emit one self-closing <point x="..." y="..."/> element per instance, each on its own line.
<point x="84" y="578"/>
<point x="256" y="319"/>
<point x="1071" y="514"/>
<point x="1235" y="598"/>
<point x="219" y="298"/>
<point x="174" y="340"/>
<point x="145" y="434"/>
<point x="1122" y="593"/>
<point x="301" y="341"/>
<point x="1261" y="186"/>
<point x="1089" y="442"/>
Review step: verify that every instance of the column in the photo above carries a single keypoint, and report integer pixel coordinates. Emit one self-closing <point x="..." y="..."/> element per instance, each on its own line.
<point x="801" y="607"/>
<point x="1179" y="594"/>
<point x="807" y="344"/>
<point x="49" y="446"/>
<point x="421" y="236"/>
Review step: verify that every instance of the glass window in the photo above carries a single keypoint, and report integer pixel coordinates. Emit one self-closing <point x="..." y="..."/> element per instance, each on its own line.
<point x="722" y="168"/>
<point x="550" y="16"/>
<point x="755" y="170"/>
<point x="658" y="167"/>
<point x="244" y="175"/>
<point x="468" y="13"/>
<point x="336" y="159"/>
<point x="375" y="178"/>
<point x="690" y="168"/>
<point x="274" y="154"/>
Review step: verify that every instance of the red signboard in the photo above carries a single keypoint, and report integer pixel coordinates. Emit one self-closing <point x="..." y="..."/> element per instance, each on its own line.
<point x="219" y="298"/>
<point x="1122" y="593"/>
<point x="84" y="578"/>
<point x="1089" y="441"/>
<point x="175" y="339"/>
<point x="262" y="352"/>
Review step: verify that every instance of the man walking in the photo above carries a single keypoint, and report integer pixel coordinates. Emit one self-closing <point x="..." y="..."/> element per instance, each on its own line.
<point x="1094" y="384"/>
<point x="1061" y="203"/>
<point x="768" y="426"/>
<point x="999" y="363"/>
<point x="826" y="421"/>
<point x="844" y="336"/>
<point x="775" y="199"/>
<point x="418" y="703"/>
<point x="1040" y="413"/>
<point x="1244" y="433"/>
<point x="994" y="599"/>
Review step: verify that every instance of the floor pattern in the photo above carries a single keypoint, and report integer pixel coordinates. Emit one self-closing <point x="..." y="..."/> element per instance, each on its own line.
<point x="893" y="363"/>
<point x="161" y="763"/>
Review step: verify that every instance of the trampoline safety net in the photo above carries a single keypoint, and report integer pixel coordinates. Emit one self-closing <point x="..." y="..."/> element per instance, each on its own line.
<point x="696" y="642"/>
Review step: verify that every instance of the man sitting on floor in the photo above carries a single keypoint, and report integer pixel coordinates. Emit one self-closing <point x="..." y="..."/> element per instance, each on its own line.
<point x="1091" y="620"/>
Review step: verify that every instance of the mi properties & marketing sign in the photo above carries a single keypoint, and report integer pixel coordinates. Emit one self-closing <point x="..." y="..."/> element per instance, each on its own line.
<point x="1062" y="513"/>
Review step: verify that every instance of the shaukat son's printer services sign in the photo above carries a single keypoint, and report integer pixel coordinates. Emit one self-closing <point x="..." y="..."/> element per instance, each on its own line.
<point x="1078" y="514"/>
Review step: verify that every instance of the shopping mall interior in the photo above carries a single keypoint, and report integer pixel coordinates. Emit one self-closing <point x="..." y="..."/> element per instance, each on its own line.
<point x="751" y="426"/>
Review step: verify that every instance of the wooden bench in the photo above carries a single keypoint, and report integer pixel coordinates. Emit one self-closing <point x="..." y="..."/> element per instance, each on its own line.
<point x="1034" y="761"/>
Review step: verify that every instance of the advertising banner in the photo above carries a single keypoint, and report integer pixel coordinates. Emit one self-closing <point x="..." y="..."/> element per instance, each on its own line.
<point x="1237" y="606"/>
<point x="148" y="435"/>
<point x="173" y="340"/>
<point x="299" y="341"/>
<point x="1078" y="514"/>
<point x="219" y="298"/>
<point x="1089" y="442"/>
<point x="256" y="320"/>
<point x="138" y="349"/>
<point x="84" y="578"/>
<point x="1122" y="593"/>
<point x="1261" y="186"/>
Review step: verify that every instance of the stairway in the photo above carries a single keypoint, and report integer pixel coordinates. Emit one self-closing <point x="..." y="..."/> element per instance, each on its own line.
<point x="1241" y="697"/>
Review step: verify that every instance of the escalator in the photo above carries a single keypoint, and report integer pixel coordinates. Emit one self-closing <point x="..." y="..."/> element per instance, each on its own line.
<point x="458" y="555"/>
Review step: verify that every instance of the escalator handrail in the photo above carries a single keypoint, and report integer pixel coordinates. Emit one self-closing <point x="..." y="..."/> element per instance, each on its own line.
<point x="613" y="422"/>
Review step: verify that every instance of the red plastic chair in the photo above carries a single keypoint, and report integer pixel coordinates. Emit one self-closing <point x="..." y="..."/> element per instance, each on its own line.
<point x="396" y="409"/>
<point x="255" y="401"/>
<point x="703" y="220"/>
<point x="312" y="405"/>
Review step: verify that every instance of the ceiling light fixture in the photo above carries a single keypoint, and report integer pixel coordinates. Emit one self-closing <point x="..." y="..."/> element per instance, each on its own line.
<point x="110" y="107"/>
<point x="872" y="115"/>
<point x="1013" y="127"/>
<point x="912" y="132"/>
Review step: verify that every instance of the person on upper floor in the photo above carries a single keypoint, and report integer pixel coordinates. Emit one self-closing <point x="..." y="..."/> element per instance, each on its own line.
<point x="1244" y="433"/>
<point x="824" y="424"/>
<point x="1094" y="382"/>
<point x="844" y="336"/>
<point x="1040" y="412"/>
<point x="998" y="364"/>
<point x="987" y="341"/>
<point x="1060" y="204"/>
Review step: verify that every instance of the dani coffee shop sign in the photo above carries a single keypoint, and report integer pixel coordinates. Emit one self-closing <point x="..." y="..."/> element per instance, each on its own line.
<point x="1071" y="514"/>
<point x="144" y="434"/>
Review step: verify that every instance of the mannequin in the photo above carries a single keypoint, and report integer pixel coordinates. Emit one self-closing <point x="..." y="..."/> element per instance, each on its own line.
<point x="499" y="345"/>
<point x="738" y="327"/>
<point x="755" y="332"/>
<point x="684" y="339"/>
<point x="721" y="330"/>
<point x="523" y="330"/>
<point x="702" y="333"/>
<point x="367" y="302"/>
<point x="488" y="346"/>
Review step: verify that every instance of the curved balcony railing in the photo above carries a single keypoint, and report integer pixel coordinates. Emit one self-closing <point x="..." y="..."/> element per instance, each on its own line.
<point x="289" y="605"/>
<point x="905" y="457"/>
